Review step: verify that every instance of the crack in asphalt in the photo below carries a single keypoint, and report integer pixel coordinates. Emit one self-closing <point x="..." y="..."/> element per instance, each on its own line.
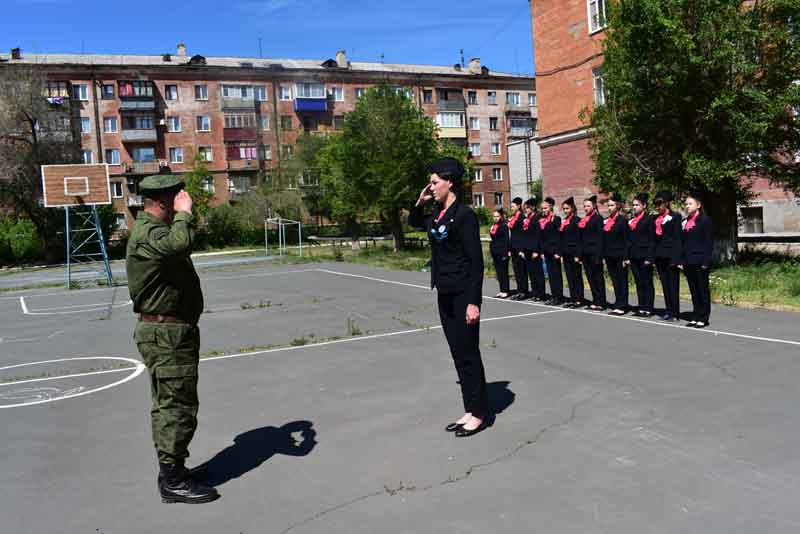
<point x="403" y="488"/>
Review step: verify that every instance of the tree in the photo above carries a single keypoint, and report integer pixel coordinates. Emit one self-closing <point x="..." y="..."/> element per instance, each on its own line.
<point x="195" y="185"/>
<point x="699" y="96"/>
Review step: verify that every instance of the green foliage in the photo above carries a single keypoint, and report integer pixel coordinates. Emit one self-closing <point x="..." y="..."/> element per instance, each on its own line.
<point x="484" y="215"/>
<point x="195" y="181"/>
<point x="224" y="226"/>
<point x="19" y="241"/>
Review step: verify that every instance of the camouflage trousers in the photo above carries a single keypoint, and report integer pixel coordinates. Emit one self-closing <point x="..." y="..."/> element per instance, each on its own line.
<point x="171" y="353"/>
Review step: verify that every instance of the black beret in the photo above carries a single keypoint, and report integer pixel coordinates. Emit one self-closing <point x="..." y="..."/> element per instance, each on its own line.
<point x="550" y="200"/>
<point x="616" y="197"/>
<point x="642" y="197"/>
<point x="448" y="168"/>
<point x="663" y="196"/>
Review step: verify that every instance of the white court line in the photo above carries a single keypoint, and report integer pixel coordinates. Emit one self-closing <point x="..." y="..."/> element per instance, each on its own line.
<point x="84" y="308"/>
<point x="644" y="321"/>
<point x="64" y="377"/>
<point x="61" y="293"/>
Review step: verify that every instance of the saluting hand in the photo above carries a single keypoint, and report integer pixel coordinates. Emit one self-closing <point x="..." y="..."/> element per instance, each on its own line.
<point x="182" y="202"/>
<point x="473" y="314"/>
<point x="425" y="196"/>
<point x="556" y="256"/>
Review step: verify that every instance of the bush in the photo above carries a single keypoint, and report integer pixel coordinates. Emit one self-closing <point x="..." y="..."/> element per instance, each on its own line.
<point x="484" y="215"/>
<point x="224" y="226"/>
<point x="19" y="241"/>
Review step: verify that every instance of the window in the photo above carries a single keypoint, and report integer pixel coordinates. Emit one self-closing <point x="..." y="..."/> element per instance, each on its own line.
<point x="472" y="98"/>
<point x="173" y="124"/>
<point x="205" y="153"/>
<point x="237" y="91"/>
<point x="478" y="175"/>
<point x="81" y="92"/>
<point x="286" y="92"/>
<point x="248" y="152"/>
<point x="495" y="149"/>
<point x="201" y="92"/>
<point x="120" y="222"/>
<point x="208" y="184"/>
<point x="477" y="200"/>
<point x="310" y="178"/>
<point x="137" y="122"/>
<point x="493" y="123"/>
<point x="287" y="151"/>
<point x="203" y="123"/>
<point x="135" y="88"/>
<point x="116" y="189"/>
<point x="175" y="154"/>
<point x="261" y="93"/>
<point x="338" y="122"/>
<point x="56" y="90"/>
<point x="753" y="220"/>
<point x="599" y="87"/>
<point x="338" y="94"/>
<point x="286" y="122"/>
<point x="475" y="149"/>
<point x="144" y="154"/>
<point x="497" y="174"/>
<point x="266" y="152"/>
<point x="86" y="125"/>
<point x="171" y="92"/>
<point x="110" y="125"/>
<point x="491" y="98"/>
<point x="597" y="15"/>
<point x="240" y="120"/>
<point x="304" y="90"/>
<point x="450" y="120"/>
<point x="405" y="91"/>
<point x="512" y="99"/>
<point x="427" y="96"/>
<point x="498" y="199"/>
<point x="112" y="157"/>
<point x="108" y="92"/>
<point x="87" y="156"/>
<point x="264" y="123"/>
<point x="359" y="91"/>
<point x="532" y="100"/>
<point x="474" y="123"/>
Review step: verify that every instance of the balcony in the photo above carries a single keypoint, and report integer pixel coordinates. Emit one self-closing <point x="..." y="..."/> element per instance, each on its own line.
<point x="518" y="108"/>
<point x="520" y="131"/>
<point x="240" y="134"/>
<point x="452" y="104"/>
<point x="137" y="103"/>
<point x="243" y="164"/>
<point x="232" y="102"/>
<point x="135" y="201"/>
<point x="453" y="133"/>
<point x="311" y="105"/>
<point x="142" y="167"/>
<point x="140" y="136"/>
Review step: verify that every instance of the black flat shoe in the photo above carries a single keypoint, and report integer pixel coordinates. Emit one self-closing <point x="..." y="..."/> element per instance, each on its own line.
<point x="453" y="427"/>
<point x="464" y="433"/>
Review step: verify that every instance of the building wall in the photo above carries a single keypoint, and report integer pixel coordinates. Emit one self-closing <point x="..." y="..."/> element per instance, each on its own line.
<point x="519" y="186"/>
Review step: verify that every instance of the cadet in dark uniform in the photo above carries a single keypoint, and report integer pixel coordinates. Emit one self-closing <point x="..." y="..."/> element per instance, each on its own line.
<point x="591" y="230"/>
<point x="166" y="293"/>
<point x="549" y="225"/>
<point x="615" y="253"/>
<point x="500" y="249"/>
<point x="457" y="274"/>
<point x="570" y="253"/>
<point x="532" y="249"/>
<point x="641" y="251"/>
<point x="517" y="242"/>
<point x="668" y="253"/>
<point x="698" y="245"/>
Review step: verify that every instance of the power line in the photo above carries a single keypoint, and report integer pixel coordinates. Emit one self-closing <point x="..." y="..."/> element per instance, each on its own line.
<point x="504" y="26"/>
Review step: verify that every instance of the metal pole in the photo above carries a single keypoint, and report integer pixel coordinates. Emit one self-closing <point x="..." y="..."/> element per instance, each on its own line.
<point x="281" y="237"/>
<point x="266" y="239"/>
<point x="99" y="231"/>
<point x="300" y="237"/>
<point x="69" y="246"/>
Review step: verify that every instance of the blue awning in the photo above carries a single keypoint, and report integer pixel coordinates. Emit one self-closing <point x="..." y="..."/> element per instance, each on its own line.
<point x="310" y="104"/>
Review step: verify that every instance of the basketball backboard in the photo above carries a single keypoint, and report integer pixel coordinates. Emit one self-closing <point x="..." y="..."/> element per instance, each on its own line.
<point x="75" y="185"/>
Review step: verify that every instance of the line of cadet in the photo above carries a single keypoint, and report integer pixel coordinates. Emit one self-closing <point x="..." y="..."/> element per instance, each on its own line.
<point x="535" y="241"/>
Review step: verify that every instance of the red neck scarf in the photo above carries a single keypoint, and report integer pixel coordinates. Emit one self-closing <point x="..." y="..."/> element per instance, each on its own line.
<point x="513" y="221"/>
<point x="585" y="220"/>
<point x="690" y="222"/>
<point x="544" y="221"/>
<point x="566" y="221"/>
<point x="659" y="222"/>
<point x="633" y="223"/>
<point x="527" y="222"/>
<point x="441" y="214"/>
<point x="610" y="222"/>
<point x="494" y="228"/>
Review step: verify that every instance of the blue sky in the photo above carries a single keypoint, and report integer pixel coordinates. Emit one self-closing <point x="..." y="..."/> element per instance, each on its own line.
<point x="413" y="31"/>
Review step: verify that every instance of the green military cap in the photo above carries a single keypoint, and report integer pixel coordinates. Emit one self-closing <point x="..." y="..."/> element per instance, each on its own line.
<point x="160" y="183"/>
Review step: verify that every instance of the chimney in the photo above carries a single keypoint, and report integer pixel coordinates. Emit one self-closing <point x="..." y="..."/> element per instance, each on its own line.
<point x="341" y="59"/>
<point x="16" y="53"/>
<point x="457" y="67"/>
<point x="181" y="49"/>
<point x="475" y="65"/>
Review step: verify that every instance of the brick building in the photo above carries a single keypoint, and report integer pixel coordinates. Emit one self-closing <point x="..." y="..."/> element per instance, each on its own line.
<point x="567" y="36"/>
<point x="146" y="114"/>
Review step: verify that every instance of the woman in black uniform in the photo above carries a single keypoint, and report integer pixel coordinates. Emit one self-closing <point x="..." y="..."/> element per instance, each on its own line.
<point x="641" y="250"/>
<point x="517" y="257"/>
<point x="570" y="253"/>
<point x="615" y="252"/>
<point x="591" y="230"/>
<point x="549" y="224"/>
<point x="533" y="250"/>
<point x="668" y="253"/>
<point x="500" y="250"/>
<point x="698" y="244"/>
<point x="457" y="274"/>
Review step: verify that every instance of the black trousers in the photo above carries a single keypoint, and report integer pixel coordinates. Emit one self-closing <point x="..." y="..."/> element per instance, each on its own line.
<point x="701" y="293"/>
<point x="594" y="274"/>
<point x="670" y="284"/>
<point x="619" y="279"/>
<point x="535" y="270"/>
<point x="501" y="268"/>
<point x="464" y="347"/>
<point x="520" y="272"/>
<point x="645" y="290"/>
<point x="555" y="276"/>
<point x="574" y="272"/>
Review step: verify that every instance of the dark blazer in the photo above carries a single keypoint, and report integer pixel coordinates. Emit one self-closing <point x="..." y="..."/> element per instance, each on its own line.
<point x="669" y="244"/>
<point x="532" y="237"/>
<point x="641" y="245"/>
<point x="592" y="236"/>
<point x="500" y="241"/>
<point x="551" y="237"/>
<point x="698" y="243"/>
<point x="517" y="241"/>
<point x="615" y="241"/>
<point x="570" y="242"/>
<point x="456" y="252"/>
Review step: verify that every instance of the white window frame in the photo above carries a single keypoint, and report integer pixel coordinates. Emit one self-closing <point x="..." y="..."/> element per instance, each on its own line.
<point x="497" y="174"/>
<point x="513" y="98"/>
<point x="198" y="123"/>
<point x="88" y="122"/>
<point x="496" y="124"/>
<point x="474" y="123"/>
<point x="264" y="123"/>
<point x="478" y="176"/>
<point x="306" y="90"/>
<point x="338" y="94"/>
<point x="108" y="130"/>
<point x="360" y="91"/>
<point x="602" y="19"/>
<point x="532" y="97"/>
<point x="208" y="184"/>
<point x="114" y="186"/>
<point x="170" y="127"/>
<point x="491" y="95"/>
<point x="266" y="152"/>
<point x="81" y="92"/>
<point x="84" y="152"/>
<point x="442" y="114"/>
<point x="472" y="150"/>
<point x="121" y="221"/>
<point x="478" y="200"/>
<point x="496" y="203"/>
<point x="286" y="93"/>
<point x="177" y="152"/>
<point x="262" y="93"/>
<point x="110" y="160"/>
<point x="167" y="91"/>
<point x="499" y="150"/>
<point x="201" y="92"/>
<point x="206" y="153"/>
<point x="599" y="92"/>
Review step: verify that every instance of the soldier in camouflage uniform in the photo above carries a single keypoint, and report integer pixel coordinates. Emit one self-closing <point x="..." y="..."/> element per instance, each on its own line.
<point x="166" y="293"/>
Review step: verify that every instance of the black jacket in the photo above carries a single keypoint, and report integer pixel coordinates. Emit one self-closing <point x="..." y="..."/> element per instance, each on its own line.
<point x="698" y="243"/>
<point x="570" y="244"/>
<point x="516" y="233"/>
<point x="669" y="244"/>
<point x="615" y="241"/>
<point x="532" y="237"/>
<point x="551" y="237"/>
<point x="456" y="252"/>
<point x="592" y="236"/>
<point x="501" y="241"/>
<point x="641" y="245"/>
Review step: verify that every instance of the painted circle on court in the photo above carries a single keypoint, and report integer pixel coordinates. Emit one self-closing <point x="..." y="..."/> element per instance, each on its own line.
<point x="30" y="384"/>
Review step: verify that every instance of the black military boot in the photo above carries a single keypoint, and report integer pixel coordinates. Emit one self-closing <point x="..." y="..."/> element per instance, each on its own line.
<point x="176" y="485"/>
